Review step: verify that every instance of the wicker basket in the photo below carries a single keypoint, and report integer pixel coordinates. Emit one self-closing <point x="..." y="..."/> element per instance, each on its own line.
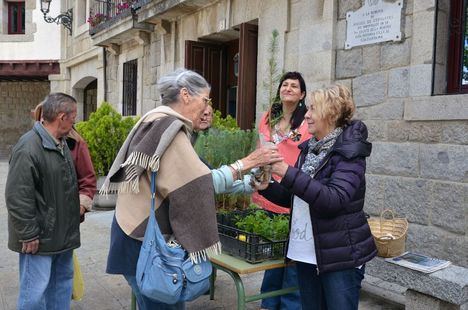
<point x="389" y="234"/>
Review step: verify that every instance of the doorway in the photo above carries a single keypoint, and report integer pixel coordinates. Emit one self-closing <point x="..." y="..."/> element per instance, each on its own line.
<point x="89" y="99"/>
<point x="228" y="61"/>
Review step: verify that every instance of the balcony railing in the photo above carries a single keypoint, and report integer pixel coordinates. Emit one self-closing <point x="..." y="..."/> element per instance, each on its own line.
<point x="103" y="13"/>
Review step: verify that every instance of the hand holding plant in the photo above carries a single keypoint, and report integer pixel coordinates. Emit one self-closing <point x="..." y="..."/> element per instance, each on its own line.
<point x="261" y="177"/>
<point x="279" y="168"/>
<point x="262" y="156"/>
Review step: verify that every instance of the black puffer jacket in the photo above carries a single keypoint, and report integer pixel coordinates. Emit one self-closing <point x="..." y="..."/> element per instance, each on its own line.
<point x="336" y="198"/>
<point x="42" y="195"/>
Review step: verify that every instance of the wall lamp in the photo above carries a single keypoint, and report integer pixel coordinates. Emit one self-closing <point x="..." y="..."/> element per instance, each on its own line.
<point x="65" y="19"/>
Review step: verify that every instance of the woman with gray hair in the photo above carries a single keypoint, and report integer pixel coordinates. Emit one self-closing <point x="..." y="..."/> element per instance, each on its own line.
<point x="185" y="186"/>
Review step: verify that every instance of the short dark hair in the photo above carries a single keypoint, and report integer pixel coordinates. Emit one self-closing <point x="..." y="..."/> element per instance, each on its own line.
<point x="56" y="103"/>
<point x="277" y="107"/>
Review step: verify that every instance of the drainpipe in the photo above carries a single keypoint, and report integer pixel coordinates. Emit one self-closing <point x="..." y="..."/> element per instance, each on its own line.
<point x="104" y="65"/>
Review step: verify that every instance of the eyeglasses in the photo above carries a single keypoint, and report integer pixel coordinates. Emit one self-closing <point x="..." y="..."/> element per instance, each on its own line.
<point x="208" y="101"/>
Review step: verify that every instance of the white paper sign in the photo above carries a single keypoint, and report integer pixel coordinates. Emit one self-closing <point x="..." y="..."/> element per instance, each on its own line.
<point x="376" y="21"/>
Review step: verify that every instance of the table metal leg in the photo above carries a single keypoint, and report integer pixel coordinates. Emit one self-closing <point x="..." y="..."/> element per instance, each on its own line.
<point x="133" y="303"/>
<point x="239" y="286"/>
<point x="242" y="299"/>
<point x="212" y="283"/>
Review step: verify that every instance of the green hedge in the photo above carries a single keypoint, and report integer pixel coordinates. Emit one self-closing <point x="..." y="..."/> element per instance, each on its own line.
<point x="105" y="132"/>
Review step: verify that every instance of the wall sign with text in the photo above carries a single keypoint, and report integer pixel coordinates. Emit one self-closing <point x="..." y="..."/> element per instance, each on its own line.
<point x="376" y="21"/>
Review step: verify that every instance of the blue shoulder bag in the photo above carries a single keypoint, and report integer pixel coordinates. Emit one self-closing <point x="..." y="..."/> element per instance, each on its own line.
<point x="166" y="273"/>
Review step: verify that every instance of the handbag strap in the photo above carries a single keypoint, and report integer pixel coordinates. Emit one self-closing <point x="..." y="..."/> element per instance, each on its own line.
<point x="152" y="216"/>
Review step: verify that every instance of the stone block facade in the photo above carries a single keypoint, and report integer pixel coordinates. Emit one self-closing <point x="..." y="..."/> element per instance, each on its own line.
<point x="17" y="99"/>
<point x="418" y="166"/>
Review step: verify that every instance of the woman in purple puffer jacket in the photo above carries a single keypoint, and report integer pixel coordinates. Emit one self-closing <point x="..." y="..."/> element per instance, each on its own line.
<point x="329" y="240"/>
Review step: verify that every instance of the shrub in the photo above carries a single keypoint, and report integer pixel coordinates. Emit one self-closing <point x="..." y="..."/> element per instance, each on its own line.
<point x="227" y="123"/>
<point x="220" y="147"/>
<point x="223" y="147"/>
<point x="105" y="132"/>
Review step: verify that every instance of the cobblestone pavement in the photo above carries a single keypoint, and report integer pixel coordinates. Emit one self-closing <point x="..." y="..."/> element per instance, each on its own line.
<point x="109" y="292"/>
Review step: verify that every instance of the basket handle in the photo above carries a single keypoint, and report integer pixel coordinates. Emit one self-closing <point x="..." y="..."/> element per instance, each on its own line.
<point x="387" y="211"/>
<point x="382" y="216"/>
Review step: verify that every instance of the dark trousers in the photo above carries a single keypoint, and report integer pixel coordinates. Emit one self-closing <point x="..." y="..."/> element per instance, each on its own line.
<point x="276" y="279"/>
<point x="337" y="290"/>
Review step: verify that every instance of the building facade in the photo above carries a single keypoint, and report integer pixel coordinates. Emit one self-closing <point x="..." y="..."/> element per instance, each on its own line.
<point x="29" y="52"/>
<point x="410" y="92"/>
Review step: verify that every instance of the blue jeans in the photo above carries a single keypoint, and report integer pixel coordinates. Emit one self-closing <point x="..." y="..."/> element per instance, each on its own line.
<point x="46" y="281"/>
<point x="145" y="303"/>
<point x="336" y="290"/>
<point x="275" y="279"/>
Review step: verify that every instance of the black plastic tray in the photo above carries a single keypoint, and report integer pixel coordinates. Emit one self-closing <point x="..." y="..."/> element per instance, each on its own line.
<point x="248" y="246"/>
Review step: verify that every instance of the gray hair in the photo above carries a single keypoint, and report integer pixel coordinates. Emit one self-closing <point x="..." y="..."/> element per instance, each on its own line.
<point x="169" y="86"/>
<point x="57" y="103"/>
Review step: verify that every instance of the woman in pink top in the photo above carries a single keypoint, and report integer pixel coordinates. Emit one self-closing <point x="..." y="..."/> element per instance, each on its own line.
<point x="284" y="125"/>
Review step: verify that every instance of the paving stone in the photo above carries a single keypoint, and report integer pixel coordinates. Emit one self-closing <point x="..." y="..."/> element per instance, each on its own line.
<point x="340" y="34"/>
<point x="348" y="63"/>
<point x="375" y="194"/>
<point x="423" y="37"/>
<point x="444" y="162"/>
<point x="449" y="205"/>
<point x="418" y="301"/>
<point x="408" y="197"/>
<point x="430" y="240"/>
<point x="347" y="5"/>
<point x="423" y="5"/>
<point x="376" y="130"/>
<point x="398" y="131"/>
<point x="371" y="58"/>
<point x="370" y="89"/>
<point x="434" y="108"/>
<point x="420" y="80"/>
<point x="398" y="82"/>
<point x="448" y="284"/>
<point x="395" y="54"/>
<point x="389" y="110"/>
<point x="394" y="159"/>
<point x="407" y="27"/>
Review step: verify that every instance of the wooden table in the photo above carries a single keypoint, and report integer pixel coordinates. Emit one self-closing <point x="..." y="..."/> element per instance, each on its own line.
<point x="236" y="267"/>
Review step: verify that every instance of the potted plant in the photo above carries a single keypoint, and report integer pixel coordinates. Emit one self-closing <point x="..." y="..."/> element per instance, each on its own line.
<point x="104" y="132"/>
<point x="216" y="147"/>
<point x="253" y="234"/>
<point x="95" y="19"/>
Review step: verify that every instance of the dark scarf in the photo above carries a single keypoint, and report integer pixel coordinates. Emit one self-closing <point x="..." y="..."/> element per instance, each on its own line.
<point x="318" y="149"/>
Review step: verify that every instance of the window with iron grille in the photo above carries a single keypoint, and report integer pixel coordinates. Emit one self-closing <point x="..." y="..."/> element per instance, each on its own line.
<point x="16" y="18"/>
<point x="130" y="71"/>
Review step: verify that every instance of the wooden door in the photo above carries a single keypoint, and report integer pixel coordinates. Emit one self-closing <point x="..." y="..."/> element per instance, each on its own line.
<point x="209" y="60"/>
<point x="247" y="82"/>
<point x="89" y="99"/>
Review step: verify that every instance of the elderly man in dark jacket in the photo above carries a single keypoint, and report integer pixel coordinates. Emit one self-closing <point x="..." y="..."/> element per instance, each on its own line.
<point x="43" y="208"/>
<point x="329" y="239"/>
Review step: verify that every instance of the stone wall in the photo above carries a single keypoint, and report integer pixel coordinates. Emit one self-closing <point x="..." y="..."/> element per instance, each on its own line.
<point x="149" y="63"/>
<point x="17" y="99"/>
<point x="418" y="165"/>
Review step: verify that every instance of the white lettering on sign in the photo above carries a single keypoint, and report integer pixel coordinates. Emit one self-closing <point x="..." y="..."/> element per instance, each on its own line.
<point x="376" y="21"/>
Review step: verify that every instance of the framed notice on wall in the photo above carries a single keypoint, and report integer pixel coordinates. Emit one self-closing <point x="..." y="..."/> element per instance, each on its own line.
<point x="376" y="21"/>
